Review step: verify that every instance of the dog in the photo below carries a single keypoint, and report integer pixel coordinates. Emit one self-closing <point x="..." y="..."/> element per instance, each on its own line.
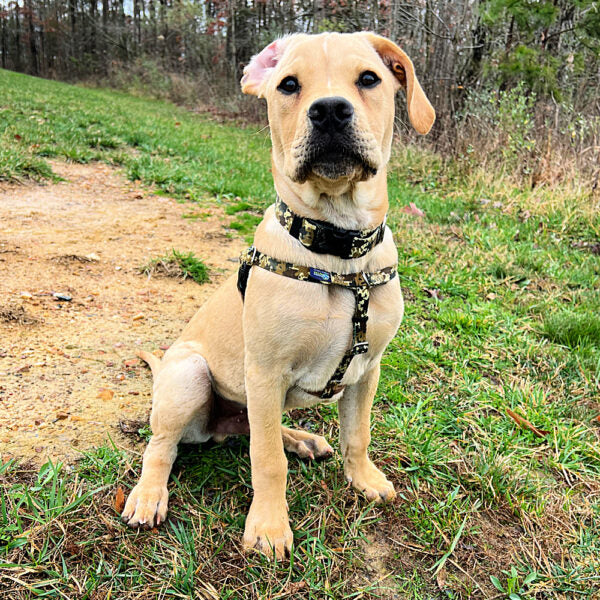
<point x="277" y="336"/>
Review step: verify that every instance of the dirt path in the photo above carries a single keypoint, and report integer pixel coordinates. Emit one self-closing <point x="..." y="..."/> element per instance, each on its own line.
<point x="68" y="372"/>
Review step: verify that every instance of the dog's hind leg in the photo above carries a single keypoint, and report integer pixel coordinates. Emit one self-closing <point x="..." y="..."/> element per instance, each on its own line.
<point x="180" y="410"/>
<point x="305" y="444"/>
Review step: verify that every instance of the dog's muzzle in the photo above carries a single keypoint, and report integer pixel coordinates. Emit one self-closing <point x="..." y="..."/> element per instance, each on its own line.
<point x="332" y="149"/>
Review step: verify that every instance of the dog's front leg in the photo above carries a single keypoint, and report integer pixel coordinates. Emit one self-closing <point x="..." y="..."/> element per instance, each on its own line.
<point x="267" y="525"/>
<point x="355" y="436"/>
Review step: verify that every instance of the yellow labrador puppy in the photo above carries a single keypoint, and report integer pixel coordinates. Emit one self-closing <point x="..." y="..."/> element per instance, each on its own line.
<point x="291" y="330"/>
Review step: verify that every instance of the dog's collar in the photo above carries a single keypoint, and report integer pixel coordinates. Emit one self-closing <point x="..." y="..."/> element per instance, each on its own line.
<point x="324" y="238"/>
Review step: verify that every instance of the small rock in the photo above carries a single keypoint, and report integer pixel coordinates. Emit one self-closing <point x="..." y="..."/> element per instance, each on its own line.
<point x="26" y="295"/>
<point x="118" y="268"/>
<point x="93" y="257"/>
<point x="62" y="297"/>
<point x="139" y="316"/>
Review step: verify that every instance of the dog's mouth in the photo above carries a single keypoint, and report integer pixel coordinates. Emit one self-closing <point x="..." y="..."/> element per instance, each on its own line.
<point x="334" y="160"/>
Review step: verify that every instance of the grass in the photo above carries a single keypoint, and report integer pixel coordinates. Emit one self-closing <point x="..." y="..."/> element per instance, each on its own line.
<point x="502" y="304"/>
<point x="177" y="264"/>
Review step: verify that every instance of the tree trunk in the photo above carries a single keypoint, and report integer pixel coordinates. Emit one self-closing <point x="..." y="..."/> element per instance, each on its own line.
<point x="73" y="18"/>
<point x="17" y="37"/>
<point x="33" y="54"/>
<point x="4" y="48"/>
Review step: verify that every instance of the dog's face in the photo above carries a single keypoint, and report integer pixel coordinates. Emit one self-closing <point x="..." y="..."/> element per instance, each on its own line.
<point x="330" y="100"/>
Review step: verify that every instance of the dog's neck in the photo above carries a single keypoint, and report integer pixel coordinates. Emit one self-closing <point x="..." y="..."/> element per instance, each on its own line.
<point x="347" y="205"/>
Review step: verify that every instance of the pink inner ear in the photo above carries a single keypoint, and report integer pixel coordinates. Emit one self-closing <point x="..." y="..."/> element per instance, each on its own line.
<point x="261" y="65"/>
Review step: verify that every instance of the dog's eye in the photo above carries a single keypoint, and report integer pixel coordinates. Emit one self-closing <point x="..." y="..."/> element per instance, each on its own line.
<point x="368" y="79"/>
<point x="289" y="85"/>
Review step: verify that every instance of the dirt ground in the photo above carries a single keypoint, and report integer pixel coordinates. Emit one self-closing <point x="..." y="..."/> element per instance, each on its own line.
<point x="68" y="371"/>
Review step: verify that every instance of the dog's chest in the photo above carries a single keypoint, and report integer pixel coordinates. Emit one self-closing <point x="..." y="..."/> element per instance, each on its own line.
<point x="328" y="335"/>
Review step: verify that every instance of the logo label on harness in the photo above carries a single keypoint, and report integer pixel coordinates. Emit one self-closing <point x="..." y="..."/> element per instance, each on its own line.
<point x="319" y="275"/>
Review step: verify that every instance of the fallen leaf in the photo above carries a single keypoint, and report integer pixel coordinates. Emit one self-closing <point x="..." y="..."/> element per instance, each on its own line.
<point x="119" y="500"/>
<point x="105" y="394"/>
<point x="433" y="293"/>
<point x="519" y="420"/>
<point x="413" y="209"/>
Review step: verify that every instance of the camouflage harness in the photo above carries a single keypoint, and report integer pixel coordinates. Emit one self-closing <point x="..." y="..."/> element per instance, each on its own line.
<point x="358" y="283"/>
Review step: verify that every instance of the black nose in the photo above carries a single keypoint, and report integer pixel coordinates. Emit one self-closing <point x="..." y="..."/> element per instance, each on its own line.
<point x="330" y="114"/>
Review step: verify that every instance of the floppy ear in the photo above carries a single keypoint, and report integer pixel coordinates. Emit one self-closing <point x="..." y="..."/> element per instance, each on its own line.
<point x="420" y="111"/>
<point x="260" y="67"/>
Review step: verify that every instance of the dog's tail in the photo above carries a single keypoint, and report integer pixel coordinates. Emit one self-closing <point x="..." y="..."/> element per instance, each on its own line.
<point x="153" y="361"/>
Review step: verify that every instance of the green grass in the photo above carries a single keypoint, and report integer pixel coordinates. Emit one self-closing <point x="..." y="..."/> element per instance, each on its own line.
<point x="177" y="264"/>
<point x="502" y="305"/>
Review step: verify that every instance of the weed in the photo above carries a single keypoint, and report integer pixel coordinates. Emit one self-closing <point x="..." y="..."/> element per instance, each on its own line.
<point x="177" y="264"/>
<point x="573" y="329"/>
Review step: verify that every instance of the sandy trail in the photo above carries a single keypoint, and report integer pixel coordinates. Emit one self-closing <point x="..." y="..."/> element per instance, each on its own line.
<point x="68" y="372"/>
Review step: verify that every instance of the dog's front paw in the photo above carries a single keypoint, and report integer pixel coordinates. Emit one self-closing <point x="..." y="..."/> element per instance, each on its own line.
<point x="368" y="479"/>
<point x="146" y="506"/>
<point x="268" y="531"/>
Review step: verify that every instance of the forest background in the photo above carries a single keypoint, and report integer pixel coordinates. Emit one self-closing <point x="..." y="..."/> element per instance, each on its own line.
<point x="515" y="83"/>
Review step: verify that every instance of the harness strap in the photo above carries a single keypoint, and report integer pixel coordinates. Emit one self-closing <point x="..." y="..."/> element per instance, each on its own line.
<point x="359" y="283"/>
<point x="324" y="238"/>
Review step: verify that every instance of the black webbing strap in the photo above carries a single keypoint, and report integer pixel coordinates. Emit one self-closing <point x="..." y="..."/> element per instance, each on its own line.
<point x="360" y="284"/>
<point x="324" y="238"/>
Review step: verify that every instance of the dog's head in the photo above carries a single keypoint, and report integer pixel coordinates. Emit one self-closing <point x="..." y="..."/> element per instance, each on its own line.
<point x="330" y="100"/>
